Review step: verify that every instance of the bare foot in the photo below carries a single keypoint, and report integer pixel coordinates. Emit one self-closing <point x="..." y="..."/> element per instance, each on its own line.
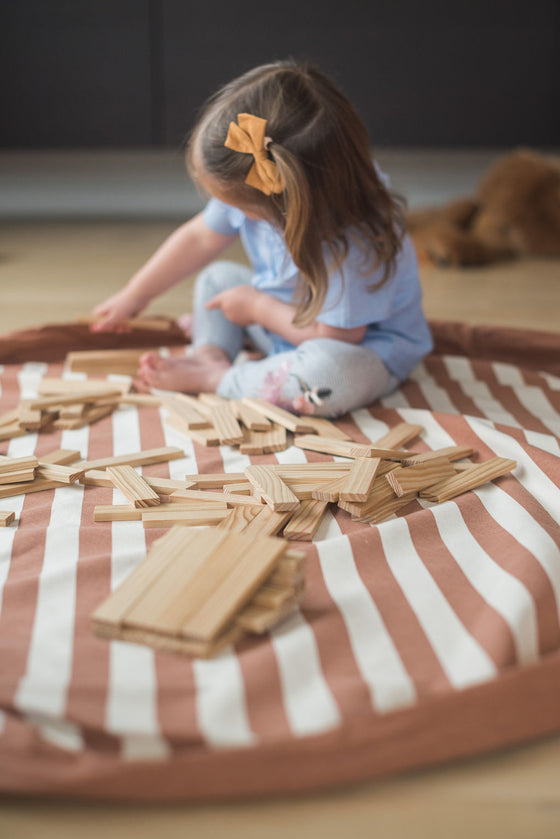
<point x="185" y="322"/>
<point x="192" y="374"/>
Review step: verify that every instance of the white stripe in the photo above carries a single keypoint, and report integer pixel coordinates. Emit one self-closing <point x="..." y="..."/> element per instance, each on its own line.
<point x="61" y="733"/>
<point x="310" y="706"/>
<point x="501" y="590"/>
<point x="437" y="397"/>
<point x="507" y="374"/>
<point x="543" y="441"/>
<point x="184" y="465"/>
<point x="44" y="687"/>
<point x="514" y="518"/>
<point x="535" y="481"/>
<point x="374" y="651"/>
<point x="396" y="399"/>
<point x="463" y="659"/>
<point x="460" y="370"/>
<point x="553" y="382"/>
<point x="533" y="398"/>
<point x="433" y="434"/>
<point x="220" y="701"/>
<point x="132" y="690"/>
<point x="372" y="427"/>
<point x="17" y="447"/>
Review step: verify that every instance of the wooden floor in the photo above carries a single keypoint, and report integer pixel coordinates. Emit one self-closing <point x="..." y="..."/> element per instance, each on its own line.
<point x="53" y="271"/>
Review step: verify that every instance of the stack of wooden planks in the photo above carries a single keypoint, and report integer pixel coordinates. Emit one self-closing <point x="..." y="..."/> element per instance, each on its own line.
<point x="199" y="590"/>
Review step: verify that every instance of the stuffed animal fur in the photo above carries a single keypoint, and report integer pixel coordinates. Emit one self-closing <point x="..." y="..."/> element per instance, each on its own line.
<point x="515" y="212"/>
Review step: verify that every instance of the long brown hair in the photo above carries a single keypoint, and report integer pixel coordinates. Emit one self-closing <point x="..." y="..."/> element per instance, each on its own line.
<point x="322" y="152"/>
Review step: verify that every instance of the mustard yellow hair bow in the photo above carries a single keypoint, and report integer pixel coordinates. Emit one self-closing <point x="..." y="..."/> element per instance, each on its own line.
<point x="249" y="137"/>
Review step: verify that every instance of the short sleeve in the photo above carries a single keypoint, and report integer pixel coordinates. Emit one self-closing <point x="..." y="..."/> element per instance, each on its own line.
<point x="351" y="301"/>
<point x="222" y="218"/>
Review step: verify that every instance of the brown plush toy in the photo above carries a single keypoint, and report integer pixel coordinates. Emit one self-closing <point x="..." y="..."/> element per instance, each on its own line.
<point x="515" y="212"/>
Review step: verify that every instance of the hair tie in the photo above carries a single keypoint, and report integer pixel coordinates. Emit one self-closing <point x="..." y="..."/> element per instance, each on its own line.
<point x="248" y="137"/>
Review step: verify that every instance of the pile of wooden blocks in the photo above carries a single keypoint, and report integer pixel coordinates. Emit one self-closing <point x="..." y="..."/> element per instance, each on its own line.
<point x="198" y="590"/>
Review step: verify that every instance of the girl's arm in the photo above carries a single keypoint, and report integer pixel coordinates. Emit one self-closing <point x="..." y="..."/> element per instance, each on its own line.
<point x="244" y="305"/>
<point x="187" y="250"/>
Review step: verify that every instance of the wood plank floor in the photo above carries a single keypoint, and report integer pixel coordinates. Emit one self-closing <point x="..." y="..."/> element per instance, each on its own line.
<point x="55" y="270"/>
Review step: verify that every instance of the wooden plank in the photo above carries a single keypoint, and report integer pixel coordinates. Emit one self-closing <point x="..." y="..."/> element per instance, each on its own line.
<point x="245" y="563"/>
<point x="346" y="448"/>
<point x="142" y="458"/>
<point x="164" y="604"/>
<point x="251" y="419"/>
<point x="272" y="597"/>
<point x="242" y="488"/>
<point x="204" y="496"/>
<point x="360" y="479"/>
<point x="29" y="418"/>
<point x="184" y="412"/>
<point x="11" y="430"/>
<point x="239" y="517"/>
<point x="398" y="436"/>
<point x="264" y="442"/>
<point x="182" y="516"/>
<point x="163" y="486"/>
<point x="304" y="523"/>
<point x="379" y="493"/>
<point x="49" y="386"/>
<point x="59" y="472"/>
<point x="329" y="491"/>
<point x="422" y="475"/>
<point x="125" y="362"/>
<point x="165" y="551"/>
<point x="267" y="523"/>
<point x="203" y="436"/>
<point x="272" y="489"/>
<point x="145" y="400"/>
<point x="479" y="474"/>
<point x="215" y="480"/>
<point x="6" y="517"/>
<point x="91" y="415"/>
<point x="259" y="619"/>
<point x="61" y="456"/>
<point x="9" y="417"/>
<point x="333" y="468"/>
<point x="326" y="428"/>
<point x="450" y="452"/>
<point x="226" y="425"/>
<point x="126" y="512"/>
<point x="388" y="508"/>
<point x="26" y="487"/>
<point x="169" y="643"/>
<point x="16" y="464"/>
<point x="22" y="475"/>
<point x="43" y="403"/>
<point x="279" y="415"/>
<point x="133" y="486"/>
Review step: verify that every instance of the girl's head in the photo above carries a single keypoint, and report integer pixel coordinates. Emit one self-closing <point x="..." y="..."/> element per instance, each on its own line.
<point x="324" y="183"/>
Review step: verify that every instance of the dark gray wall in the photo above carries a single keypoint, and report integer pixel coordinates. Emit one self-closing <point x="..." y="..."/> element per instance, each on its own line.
<point x="421" y="72"/>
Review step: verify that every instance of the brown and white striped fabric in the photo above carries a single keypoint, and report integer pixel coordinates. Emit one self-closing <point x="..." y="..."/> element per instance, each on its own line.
<point x="429" y="637"/>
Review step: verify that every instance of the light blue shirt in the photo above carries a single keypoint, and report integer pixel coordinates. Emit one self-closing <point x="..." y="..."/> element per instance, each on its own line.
<point x="396" y="327"/>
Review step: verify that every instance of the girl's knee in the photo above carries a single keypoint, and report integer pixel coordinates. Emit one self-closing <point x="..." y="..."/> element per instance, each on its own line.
<point x="218" y="277"/>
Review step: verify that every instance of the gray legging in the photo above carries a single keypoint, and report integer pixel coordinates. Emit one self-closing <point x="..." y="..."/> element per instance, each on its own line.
<point x="331" y="376"/>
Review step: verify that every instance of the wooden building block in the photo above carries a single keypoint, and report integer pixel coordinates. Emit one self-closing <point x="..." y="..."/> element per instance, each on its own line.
<point x="329" y="491"/>
<point x="116" y="512"/>
<point x="326" y="428"/>
<point x="264" y="442"/>
<point x="29" y="418"/>
<point x="479" y="474"/>
<point x="59" y="472"/>
<point x="22" y="475"/>
<point x="9" y="417"/>
<point x="414" y="478"/>
<point x="163" y="486"/>
<point x="11" y="430"/>
<point x="26" y="487"/>
<point x="104" y="362"/>
<point x="379" y="493"/>
<point x="272" y="489"/>
<point x="388" y="508"/>
<point x="259" y="619"/>
<point x="6" y="518"/>
<point x="452" y="453"/>
<point x="242" y="488"/>
<point x="333" y="468"/>
<point x="215" y="480"/>
<point x="239" y="517"/>
<point x="16" y="464"/>
<point x="44" y="403"/>
<point x="193" y="517"/>
<point x="398" y="436"/>
<point x="347" y="448"/>
<point x="50" y="386"/>
<point x="133" y="486"/>
<point x="226" y="425"/>
<point x="172" y="547"/>
<point x="360" y="479"/>
<point x="251" y="419"/>
<point x="203" y="436"/>
<point x="184" y="412"/>
<point x="61" y="456"/>
<point x="143" y="458"/>
<point x="267" y="523"/>
<point x="207" y="496"/>
<point x="304" y="523"/>
<point x="279" y="415"/>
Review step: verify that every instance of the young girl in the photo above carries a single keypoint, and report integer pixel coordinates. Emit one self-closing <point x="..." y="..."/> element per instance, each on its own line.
<point x="333" y="299"/>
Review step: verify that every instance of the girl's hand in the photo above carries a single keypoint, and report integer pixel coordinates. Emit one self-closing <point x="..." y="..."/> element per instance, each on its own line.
<point x="238" y="304"/>
<point x="115" y="310"/>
